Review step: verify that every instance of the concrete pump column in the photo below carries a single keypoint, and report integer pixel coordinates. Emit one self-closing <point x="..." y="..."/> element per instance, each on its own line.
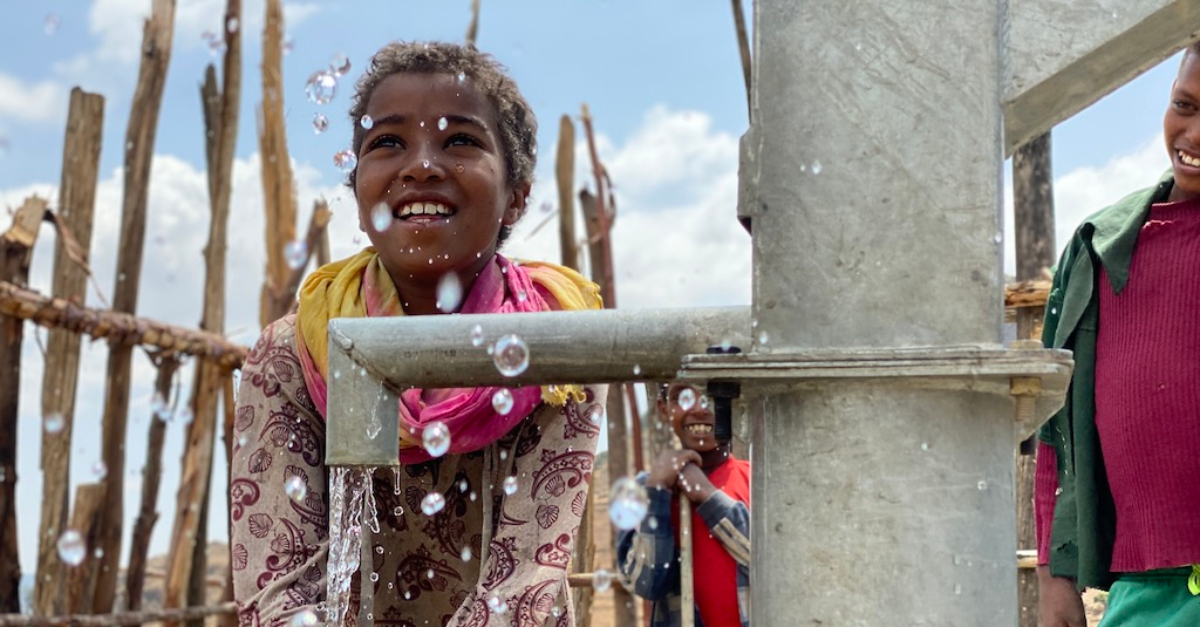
<point x="872" y="175"/>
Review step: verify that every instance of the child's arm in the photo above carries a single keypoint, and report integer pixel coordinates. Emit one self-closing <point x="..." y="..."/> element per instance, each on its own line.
<point x="647" y="558"/>
<point x="727" y="518"/>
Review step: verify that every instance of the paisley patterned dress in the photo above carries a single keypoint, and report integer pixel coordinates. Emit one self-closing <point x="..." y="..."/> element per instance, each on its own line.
<point x="425" y="570"/>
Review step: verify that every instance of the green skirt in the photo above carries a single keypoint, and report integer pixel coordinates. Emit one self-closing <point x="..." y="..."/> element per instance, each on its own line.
<point x="1158" y="598"/>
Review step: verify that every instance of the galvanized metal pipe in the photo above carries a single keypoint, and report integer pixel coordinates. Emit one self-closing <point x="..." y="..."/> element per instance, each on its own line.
<point x="564" y="347"/>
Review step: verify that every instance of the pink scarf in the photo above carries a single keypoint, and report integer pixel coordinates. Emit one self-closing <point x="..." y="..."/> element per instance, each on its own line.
<point x="502" y="287"/>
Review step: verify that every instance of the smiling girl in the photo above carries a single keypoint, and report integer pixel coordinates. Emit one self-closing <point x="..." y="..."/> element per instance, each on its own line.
<point x="446" y="149"/>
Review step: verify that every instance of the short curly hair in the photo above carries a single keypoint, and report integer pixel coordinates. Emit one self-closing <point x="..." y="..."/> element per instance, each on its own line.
<point x="517" y="122"/>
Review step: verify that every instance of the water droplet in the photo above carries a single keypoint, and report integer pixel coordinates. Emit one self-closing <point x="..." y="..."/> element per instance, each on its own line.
<point x="425" y="163"/>
<point x="1115" y="14"/>
<point x="510" y="485"/>
<point x="307" y="618"/>
<point x="320" y="123"/>
<point x="555" y="611"/>
<point x="816" y="167"/>
<point x="462" y="76"/>
<point x="442" y="124"/>
<point x="763" y="338"/>
<point x="477" y="336"/>
<point x="366" y="122"/>
<point x="502" y="401"/>
<point x="449" y="293"/>
<point x="232" y="25"/>
<point x="289" y="44"/>
<point x="432" y="503"/>
<point x="957" y="588"/>
<point x="295" y="488"/>
<point x="374" y="426"/>
<point x="51" y="24"/>
<point x="687" y="398"/>
<point x="982" y="485"/>
<point x="345" y="160"/>
<point x="436" y="438"/>
<point x="511" y="355"/>
<point x="628" y="504"/>
<point x="465" y="554"/>
<point x="496" y="605"/>
<point x="637" y="369"/>
<point x="98" y="553"/>
<point x="296" y="254"/>
<point x="185" y="414"/>
<point x="339" y="65"/>
<point x="924" y="446"/>
<point x="53" y="423"/>
<point x="71" y="548"/>
<point x="1058" y="491"/>
<point x="858" y="47"/>
<point x="215" y="43"/>
<point x="595" y="413"/>
<point x="460" y="168"/>
<point x="99" y="470"/>
<point x="321" y="87"/>
<point x="374" y="577"/>
<point x="381" y="217"/>
<point x="601" y="580"/>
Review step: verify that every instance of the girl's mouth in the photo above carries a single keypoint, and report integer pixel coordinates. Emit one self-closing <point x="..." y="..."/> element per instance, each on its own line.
<point x="423" y="212"/>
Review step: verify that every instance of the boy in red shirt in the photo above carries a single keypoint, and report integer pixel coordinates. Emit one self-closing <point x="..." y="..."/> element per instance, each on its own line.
<point x="718" y="485"/>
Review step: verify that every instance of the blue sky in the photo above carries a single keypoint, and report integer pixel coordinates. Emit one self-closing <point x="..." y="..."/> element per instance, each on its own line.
<point x="662" y="78"/>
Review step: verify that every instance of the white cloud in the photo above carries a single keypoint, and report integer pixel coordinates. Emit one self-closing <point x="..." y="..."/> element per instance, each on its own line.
<point x="1086" y="190"/>
<point x="31" y="102"/>
<point x="676" y="240"/>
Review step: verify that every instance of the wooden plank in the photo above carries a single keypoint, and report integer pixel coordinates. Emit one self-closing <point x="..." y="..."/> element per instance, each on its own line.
<point x="189" y="536"/>
<point x="139" y="152"/>
<point x="16" y="252"/>
<point x="119" y="329"/>
<point x="143" y="526"/>
<point x="279" y="201"/>
<point x="1033" y="205"/>
<point x="77" y="195"/>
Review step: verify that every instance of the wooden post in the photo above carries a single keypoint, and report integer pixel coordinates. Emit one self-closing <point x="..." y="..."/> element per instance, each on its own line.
<point x="564" y="171"/>
<point x="189" y="542"/>
<point x="739" y="21"/>
<point x="76" y="204"/>
<point x="598" y="218"/>
<point x="86" y="519"/>
<point x="687" y="568"/>
<point x="139" y="151"/>
<point x="228" y="402"/>
<point x="1033" y="206"/>
<point x="279" y="201"/>
<point x="473" y="28"/>
<point x="16" y="251"/>
<point x="143" y="526"/>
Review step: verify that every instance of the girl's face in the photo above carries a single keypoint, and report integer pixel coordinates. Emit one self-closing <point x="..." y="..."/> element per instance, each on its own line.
<point x="432" y="186"/>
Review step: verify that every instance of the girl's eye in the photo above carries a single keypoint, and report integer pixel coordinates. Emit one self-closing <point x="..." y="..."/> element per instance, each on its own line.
<point x="386" y="141"/>
<point x="1180" y="104"/>
<point x="462" y="139"/>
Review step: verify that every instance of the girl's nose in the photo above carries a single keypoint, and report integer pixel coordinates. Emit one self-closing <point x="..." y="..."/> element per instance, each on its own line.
<point x="422" y="163"/>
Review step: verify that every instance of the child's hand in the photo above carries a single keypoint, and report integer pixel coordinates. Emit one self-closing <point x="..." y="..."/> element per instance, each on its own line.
<point x="669" y="466"/>
<point x="695" y="484"/>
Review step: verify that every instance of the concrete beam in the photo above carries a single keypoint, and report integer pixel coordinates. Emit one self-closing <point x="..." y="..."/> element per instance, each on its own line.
<point x="1063" y="55"/>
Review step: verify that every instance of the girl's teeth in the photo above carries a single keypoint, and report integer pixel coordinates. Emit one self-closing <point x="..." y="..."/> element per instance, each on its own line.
<point x="1187" y="160"/>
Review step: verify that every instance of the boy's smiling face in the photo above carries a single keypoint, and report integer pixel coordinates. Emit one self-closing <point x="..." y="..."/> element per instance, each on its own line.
<point x="691" y="421"/>
<point x="1181" y="129"/>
